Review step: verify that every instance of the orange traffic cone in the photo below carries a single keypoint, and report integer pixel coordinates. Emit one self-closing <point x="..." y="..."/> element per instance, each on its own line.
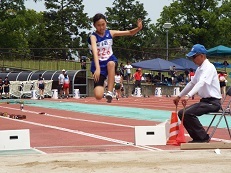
<point x="181" y="137"/>
<point x="174" y="128"/>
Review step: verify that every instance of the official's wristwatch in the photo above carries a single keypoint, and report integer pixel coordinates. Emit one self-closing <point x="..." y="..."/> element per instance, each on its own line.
<point x="187" y="96"/>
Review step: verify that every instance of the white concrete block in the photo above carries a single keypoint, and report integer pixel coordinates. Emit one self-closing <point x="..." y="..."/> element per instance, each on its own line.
<point x="152" y="135"/>
<point x="33" y="95"/>
<point x="14" y="139"/>
<point x="76" y="94"/>
<point x="54" y="94"/>
<point x="176" y="91"/>
<point x="137" y="92"/>
<point x="158" y="92"/>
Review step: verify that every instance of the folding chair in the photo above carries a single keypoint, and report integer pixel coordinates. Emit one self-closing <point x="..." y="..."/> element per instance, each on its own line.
<point x="26" y="89"/>
<point x="225" y="110"/>
<point x="48" y="88"/>
<point x="15" y="89"/>
<point x="35" y="87"/>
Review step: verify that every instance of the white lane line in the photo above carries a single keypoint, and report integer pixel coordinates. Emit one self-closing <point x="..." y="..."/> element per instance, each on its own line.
<point x="81" y="146"/>
<point x="39" y="151"/>
<point x="215" y="139"/>
<point x="86" y="134"/>
<point x="221" y="140"/>
<point x="69" y="118"/>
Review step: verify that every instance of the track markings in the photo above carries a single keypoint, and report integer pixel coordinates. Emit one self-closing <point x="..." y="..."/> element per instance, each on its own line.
<point x="126" y="143"/>
<point x="70" y="118"/>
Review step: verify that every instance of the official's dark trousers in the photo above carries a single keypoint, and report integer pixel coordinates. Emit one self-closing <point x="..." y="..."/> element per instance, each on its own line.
<point x="191" y="121"/>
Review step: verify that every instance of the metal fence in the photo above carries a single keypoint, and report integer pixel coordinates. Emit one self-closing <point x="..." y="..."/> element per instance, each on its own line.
<point x="43" y="59"/>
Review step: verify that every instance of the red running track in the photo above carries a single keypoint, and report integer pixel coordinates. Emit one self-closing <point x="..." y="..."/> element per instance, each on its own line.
<point x="59" y="131"/>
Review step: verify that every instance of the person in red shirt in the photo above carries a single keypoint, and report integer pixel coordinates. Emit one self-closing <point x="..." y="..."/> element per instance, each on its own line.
<point x="190" y="76"/>
<point x="137" y="79"/>
<point x="66" y="85"/>
<point x="222" y="80"/>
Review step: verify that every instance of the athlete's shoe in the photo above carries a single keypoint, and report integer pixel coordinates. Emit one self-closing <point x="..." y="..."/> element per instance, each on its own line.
<point x="109" y="96"/>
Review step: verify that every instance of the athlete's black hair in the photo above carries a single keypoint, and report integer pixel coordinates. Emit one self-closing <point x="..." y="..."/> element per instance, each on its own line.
<point x="98" y="16"/>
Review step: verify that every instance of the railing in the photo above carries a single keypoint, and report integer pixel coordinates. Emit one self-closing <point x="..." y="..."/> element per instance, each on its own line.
<point x="42" y="58"/>
<point x="41" y="64"/>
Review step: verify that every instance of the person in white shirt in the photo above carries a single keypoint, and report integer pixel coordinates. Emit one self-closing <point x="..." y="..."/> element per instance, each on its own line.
<point x="61" y="82"/>
<point x="205" y="82"/>
<point x="128" y="68"/>
<point x="118" y="84"/>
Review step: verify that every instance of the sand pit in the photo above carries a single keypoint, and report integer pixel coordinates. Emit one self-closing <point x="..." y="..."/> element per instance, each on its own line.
<point x="125" y="162"/>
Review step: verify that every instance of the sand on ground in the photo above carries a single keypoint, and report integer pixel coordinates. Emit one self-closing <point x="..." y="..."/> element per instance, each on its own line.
<point x="181" y="161"/>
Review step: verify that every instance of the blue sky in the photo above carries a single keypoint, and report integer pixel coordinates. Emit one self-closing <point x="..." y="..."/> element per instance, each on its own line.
<point x="153" y="7"/>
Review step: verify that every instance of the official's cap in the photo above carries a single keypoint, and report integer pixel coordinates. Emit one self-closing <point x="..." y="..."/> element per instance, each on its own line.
<point x="197" y="49"/>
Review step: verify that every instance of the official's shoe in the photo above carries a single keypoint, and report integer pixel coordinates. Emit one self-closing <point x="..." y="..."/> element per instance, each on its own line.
<point x="205" y="140"/>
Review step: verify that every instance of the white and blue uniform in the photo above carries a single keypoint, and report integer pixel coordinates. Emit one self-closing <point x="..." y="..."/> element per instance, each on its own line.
<point x="104" y="50"/>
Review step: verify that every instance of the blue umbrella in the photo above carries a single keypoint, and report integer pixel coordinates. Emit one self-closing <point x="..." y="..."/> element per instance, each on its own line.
<point x="186" y="63"/>
<point x="157" y="64"/>
<point x="221" y="65"/>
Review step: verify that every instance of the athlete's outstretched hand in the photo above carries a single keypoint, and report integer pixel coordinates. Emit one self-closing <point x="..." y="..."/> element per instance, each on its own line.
<point x="139" y="23"/>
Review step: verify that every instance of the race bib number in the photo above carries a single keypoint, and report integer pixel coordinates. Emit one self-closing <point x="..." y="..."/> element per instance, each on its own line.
<point x="104" y="49"/>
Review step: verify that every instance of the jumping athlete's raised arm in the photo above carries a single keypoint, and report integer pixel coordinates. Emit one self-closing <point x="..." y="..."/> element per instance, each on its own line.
<point x="131" y="32"/>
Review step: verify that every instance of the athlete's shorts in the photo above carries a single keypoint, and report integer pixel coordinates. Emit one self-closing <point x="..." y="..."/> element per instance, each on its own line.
<point x="117" y="86"/>
<point x="102" y="78"/>
<point x="103" y="65"/>
<point x="41" y="86"/>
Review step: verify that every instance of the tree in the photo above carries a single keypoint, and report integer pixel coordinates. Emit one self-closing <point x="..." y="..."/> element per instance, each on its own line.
<point x="123" y="16"/>
<point x="66" y="23"/>
<point x="16" y="26"/>
<point x="37" y="34"/>
<point x="12" y="23"/>
<point x="194" y="21"/>
<point x="224" y="25"/>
